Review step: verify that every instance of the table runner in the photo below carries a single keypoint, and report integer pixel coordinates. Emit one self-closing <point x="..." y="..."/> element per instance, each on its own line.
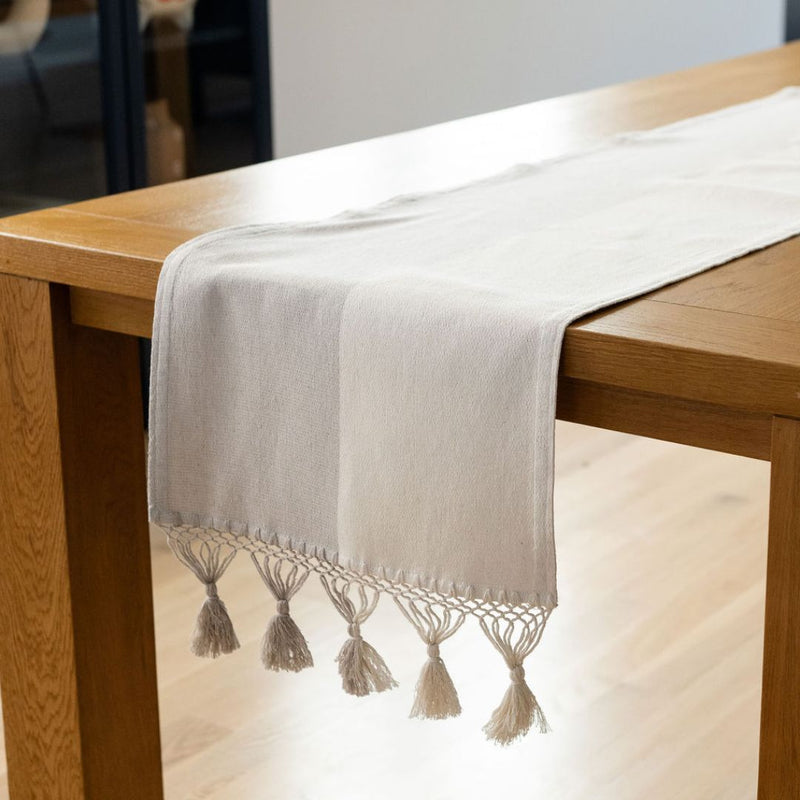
<point x="372" y="397"/>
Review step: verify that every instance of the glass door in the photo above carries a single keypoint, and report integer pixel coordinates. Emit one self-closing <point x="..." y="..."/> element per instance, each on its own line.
<point x="109" y="96"/>
<point x="51" y="116"/>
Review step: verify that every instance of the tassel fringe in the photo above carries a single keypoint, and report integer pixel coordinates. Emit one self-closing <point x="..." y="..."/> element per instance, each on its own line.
<point x="518" y="712"/>
<point x="362" y="669"/>
<point x="436" y="696"/>
<point x="514" y="629"/>
<point x="283" y="648"/>
<point x="213" y="634"/>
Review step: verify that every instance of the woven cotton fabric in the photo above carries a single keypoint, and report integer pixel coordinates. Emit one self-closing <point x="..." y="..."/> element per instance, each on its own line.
<point x="379" y="388"/>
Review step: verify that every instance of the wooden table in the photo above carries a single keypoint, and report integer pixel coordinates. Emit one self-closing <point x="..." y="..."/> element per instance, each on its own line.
<point x="713" y="361"/>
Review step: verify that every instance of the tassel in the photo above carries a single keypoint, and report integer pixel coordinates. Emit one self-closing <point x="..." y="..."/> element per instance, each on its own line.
<point x="360" y="665"/>
<point x="213" y="633"/>
<point x="362" y="669"/>
<point x="283" y="648"/>
<point x="519" y="711"/>
<point x="436" y="696"/>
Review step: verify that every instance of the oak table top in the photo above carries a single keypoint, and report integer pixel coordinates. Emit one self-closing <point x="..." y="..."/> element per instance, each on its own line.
<point x="727" y="338"/>
<point x="739" y="323"/>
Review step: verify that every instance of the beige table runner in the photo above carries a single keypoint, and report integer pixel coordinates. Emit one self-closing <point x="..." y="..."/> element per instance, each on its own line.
<point x="372" y="397"/>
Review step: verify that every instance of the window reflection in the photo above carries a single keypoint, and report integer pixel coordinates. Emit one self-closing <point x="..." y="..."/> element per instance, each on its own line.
<point x="204" y="110"/>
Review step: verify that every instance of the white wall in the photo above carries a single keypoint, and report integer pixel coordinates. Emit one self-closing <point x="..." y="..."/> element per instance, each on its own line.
<point x="350" y="69"/>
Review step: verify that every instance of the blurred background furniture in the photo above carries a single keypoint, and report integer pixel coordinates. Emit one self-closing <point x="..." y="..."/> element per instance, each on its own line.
<point x="97" y="98"/>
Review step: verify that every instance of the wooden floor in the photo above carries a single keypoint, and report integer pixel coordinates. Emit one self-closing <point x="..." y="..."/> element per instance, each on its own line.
<point x="649" y="671"/>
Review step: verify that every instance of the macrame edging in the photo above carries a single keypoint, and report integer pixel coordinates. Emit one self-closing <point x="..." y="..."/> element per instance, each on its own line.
<point x="253" y="538"/>
<point x="515" y="630"/>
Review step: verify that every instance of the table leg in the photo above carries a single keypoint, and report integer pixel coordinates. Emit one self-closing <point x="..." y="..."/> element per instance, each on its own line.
<point x="77" y="655"/>
<point x="779" y="765"/>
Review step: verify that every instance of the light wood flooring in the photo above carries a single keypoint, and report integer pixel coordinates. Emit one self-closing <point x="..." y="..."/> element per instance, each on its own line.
<point x="649" y="671"/>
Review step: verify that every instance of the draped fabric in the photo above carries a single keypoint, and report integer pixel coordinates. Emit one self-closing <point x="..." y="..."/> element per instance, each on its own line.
<point x="372" y="397"/>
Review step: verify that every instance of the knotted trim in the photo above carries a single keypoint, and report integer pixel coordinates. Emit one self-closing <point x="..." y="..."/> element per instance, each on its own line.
<point x="362" y="669"/>
<point x="213" y="633"/>
<point x="435" y="696"/>
<point x="514" y="628"/>
<point x="519" y="710"/>
<point x="283" y="648"/>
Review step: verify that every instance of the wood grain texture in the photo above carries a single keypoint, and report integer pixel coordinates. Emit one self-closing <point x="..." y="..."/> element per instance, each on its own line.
<point x="37" y="647"/>
<point x="763" y="284"/>
<point x="77" y="657"/>
<point x="111" y="312"/>
<point x="667" y="418"/>
<point x="731" y="360"/>
<point x="779" y="767"/>
<point x="96" y="252"/>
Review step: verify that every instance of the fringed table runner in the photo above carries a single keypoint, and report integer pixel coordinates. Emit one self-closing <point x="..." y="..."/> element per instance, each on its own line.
<point x="371" y="398"/>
